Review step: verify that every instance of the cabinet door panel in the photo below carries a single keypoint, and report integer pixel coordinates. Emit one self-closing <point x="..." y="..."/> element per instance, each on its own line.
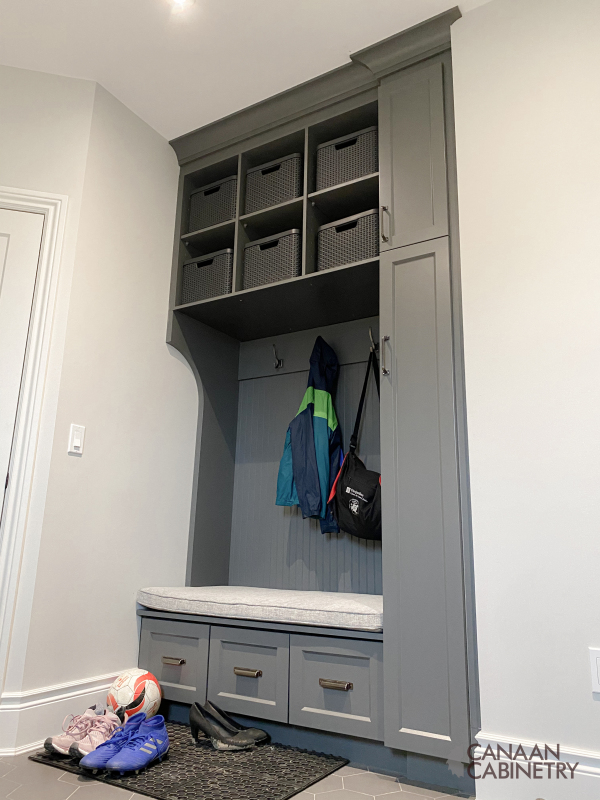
<point x="412" y="157"/>
<point x="425" y="670"/>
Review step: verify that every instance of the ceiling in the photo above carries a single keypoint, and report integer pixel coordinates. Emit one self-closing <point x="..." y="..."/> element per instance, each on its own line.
<point x="179" y="71"/>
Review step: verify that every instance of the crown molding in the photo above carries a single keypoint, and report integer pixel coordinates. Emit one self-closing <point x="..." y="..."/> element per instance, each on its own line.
<point x="362" y="74"/>
<point x="404" y="48"/>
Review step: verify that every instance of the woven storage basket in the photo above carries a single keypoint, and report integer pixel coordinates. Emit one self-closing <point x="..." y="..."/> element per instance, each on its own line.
<point x="209" y="276"/>
<point x="275" y="258"/>
<point x="347" y="240"/>
<point x="347" y="158"/>
<point x="213" y="204"/>
<point x="273" y="183"/>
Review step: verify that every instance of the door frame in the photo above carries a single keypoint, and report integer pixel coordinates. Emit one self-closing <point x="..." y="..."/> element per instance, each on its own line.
<point x="16" y="504"/>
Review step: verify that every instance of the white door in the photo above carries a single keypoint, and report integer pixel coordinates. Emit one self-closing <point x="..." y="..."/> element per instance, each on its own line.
<point x="20" y="241"/>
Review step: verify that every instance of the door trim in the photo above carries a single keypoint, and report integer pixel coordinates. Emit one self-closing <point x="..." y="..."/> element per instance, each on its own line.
<point x="14" y="511"/>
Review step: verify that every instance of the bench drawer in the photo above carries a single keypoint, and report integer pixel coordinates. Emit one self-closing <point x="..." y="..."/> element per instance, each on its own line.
<point x="163" y="644"/>
<point x="248" y="672"/>
<point x="337" y="685"/>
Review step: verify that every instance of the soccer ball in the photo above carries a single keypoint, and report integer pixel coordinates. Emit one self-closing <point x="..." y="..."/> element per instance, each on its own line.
<point x="134" y="691"/>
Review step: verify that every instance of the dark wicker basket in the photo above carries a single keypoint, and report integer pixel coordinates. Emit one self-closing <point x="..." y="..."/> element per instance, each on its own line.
<point x="347" y="240"/>
<point x="273" y="183"/>
<point x="347" y="158"/>
<point x="209" y="276"/>
<point x="275" y="258"/>
<point x="213" y="204"/>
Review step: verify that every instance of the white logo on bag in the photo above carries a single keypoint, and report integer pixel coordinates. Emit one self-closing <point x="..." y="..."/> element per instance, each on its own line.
<point x="349" y="490"/>
<point x="354" y="506"/>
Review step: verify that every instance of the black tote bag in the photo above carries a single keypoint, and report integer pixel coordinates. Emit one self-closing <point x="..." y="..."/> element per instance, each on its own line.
<point x="356" y="493"/>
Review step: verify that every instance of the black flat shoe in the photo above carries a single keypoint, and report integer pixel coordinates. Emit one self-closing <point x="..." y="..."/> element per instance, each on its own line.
<point x="233" y="727"/>
<point x="222" y="739"/>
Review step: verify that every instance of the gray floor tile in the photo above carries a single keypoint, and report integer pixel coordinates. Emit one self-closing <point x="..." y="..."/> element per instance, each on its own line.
<point x="77" y="780"/>
<point x="328" y="784"/>
<point x="7" y="786"/>
<point x="424" y="794"/>
<point x="102" y="791"/>
<point x="345" y="771"/>
<point x="6" y="768"/>
<point x="29" y="772"/>
<point x="371" y="783"/>
<point x="50" y="790"/>
<point x="342" y="794"/>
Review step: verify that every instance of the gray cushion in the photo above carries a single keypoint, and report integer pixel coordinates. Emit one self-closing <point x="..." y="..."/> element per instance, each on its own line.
<point x="362" y="612"/>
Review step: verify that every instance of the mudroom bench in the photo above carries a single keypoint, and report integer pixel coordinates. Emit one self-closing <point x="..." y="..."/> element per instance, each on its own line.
<point x="312" y="659"/>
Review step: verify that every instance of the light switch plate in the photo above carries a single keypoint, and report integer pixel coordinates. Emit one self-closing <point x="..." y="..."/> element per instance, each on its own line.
<point x="595" y="668"/>
<point x="76" y="437"/>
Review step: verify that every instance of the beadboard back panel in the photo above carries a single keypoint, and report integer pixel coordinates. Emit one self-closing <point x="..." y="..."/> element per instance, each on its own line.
<point x="273" y="546"/>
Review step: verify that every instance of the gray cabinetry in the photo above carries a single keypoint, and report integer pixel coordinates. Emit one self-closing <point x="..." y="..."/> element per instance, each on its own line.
<point x="336" y="685"/>
<point x="248" y="672"/>
<point x="177" y="654"/>
<point x="424" y="629"/>
<point x="412" y="156"/>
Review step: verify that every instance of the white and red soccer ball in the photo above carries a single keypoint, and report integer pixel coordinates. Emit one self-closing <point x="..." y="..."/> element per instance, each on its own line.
<point x="134" y="691"/>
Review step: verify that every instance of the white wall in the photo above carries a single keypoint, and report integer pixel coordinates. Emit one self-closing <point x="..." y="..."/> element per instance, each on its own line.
<point x="528" y="136"/>
<point x="116" y="518"/>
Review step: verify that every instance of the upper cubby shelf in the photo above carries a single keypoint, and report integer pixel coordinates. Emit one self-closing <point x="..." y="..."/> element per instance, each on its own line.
<point x="310" y="301"/>
<point x="348" y="198"/>
<point x="207" y="240"/>
<point x="265" y="206"/>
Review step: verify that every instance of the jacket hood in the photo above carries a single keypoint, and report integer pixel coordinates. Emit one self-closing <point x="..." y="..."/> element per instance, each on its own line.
<point x="324" y="366"/>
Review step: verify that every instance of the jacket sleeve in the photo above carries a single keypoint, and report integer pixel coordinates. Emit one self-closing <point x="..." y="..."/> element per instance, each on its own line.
<point x="336" y="457"/>
<point x="286" y="488"/>
<point x="304" y="462"/>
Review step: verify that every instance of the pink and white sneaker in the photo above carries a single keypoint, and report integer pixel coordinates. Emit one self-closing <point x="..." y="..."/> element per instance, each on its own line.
<point x="75" y="730"/>
<point x="101" y="729"/>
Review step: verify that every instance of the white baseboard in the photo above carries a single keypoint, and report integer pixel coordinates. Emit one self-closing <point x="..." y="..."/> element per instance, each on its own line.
<point x="28" y="718"/>
<point x="588" y="760"/>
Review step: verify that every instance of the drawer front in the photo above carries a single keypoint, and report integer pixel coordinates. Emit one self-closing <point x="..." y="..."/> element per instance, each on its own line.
<point x="337" y="685"/>
<point x="248" y="672"/>
<point x="163" y="644"/>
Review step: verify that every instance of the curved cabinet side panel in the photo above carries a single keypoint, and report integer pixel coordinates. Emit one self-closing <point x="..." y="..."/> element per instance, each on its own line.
<point x="214" y="358"/>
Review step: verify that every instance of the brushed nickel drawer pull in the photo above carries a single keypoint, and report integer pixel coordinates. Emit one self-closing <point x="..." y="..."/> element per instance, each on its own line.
<point x="341" y="686"/>
<point x="176" y="662"/>
<point x="247" y="673"/>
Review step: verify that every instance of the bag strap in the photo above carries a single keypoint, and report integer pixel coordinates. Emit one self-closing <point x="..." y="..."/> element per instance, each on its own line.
<point x="374" y="364"/>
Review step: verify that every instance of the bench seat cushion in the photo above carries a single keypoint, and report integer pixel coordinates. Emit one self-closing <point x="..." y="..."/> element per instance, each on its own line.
<point x="361" y="612"/>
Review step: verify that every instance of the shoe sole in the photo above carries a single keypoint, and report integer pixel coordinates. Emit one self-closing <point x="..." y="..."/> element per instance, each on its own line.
<point x="49" y="747"/>
<point x="223" y="746"/>
<point x="141" y="769"/>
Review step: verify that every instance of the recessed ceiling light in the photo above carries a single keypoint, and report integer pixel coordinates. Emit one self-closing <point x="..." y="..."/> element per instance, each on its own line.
<point x="181" y="5"/>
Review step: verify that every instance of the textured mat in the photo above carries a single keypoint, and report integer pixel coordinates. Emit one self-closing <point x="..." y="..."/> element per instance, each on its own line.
<point x="196" y="771"/>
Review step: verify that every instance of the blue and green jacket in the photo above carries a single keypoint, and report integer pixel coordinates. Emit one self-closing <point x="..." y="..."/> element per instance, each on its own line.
<point x="312" y="454"/>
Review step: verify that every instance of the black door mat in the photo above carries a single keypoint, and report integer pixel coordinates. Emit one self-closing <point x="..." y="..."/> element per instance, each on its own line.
<point x="196" y="771"/>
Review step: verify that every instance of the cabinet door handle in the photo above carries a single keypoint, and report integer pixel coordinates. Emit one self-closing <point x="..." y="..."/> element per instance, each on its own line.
<point x="384" y="238"/>
<point x="341" y="686"/>
<point x="247" y="673"/>
<point x="384" y="369"/>
<point x="175" y="662"/>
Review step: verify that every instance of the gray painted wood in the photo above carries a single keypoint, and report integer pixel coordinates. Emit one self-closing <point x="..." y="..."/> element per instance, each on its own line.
<point x="414" y="44"/>
<point x="273" y="546"/>
<point x="213" y="357"/>
<point x="412" y="156"/>
<point x="285" y="627"/>
<point x="182" y="640"/>
<point x="357" y="712"/>
<point x="350" y="340"/>
<point x="265" y="696"/>
<point x="424" y="615"/>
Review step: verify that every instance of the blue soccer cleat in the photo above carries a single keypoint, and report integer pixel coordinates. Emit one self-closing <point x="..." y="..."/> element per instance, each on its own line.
<point x="99" y="758"/>
<point x="151" y="742"/>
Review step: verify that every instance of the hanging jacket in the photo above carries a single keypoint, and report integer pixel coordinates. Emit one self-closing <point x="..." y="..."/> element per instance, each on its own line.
<point x="313" y="445"/>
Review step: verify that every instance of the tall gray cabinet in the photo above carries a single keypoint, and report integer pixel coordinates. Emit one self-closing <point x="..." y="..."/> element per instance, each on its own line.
<point x="402" y="85"/>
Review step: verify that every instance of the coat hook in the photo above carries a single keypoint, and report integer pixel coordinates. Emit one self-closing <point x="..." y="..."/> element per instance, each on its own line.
<point x="374" y="345"/>
<point x="278" y="361"/>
